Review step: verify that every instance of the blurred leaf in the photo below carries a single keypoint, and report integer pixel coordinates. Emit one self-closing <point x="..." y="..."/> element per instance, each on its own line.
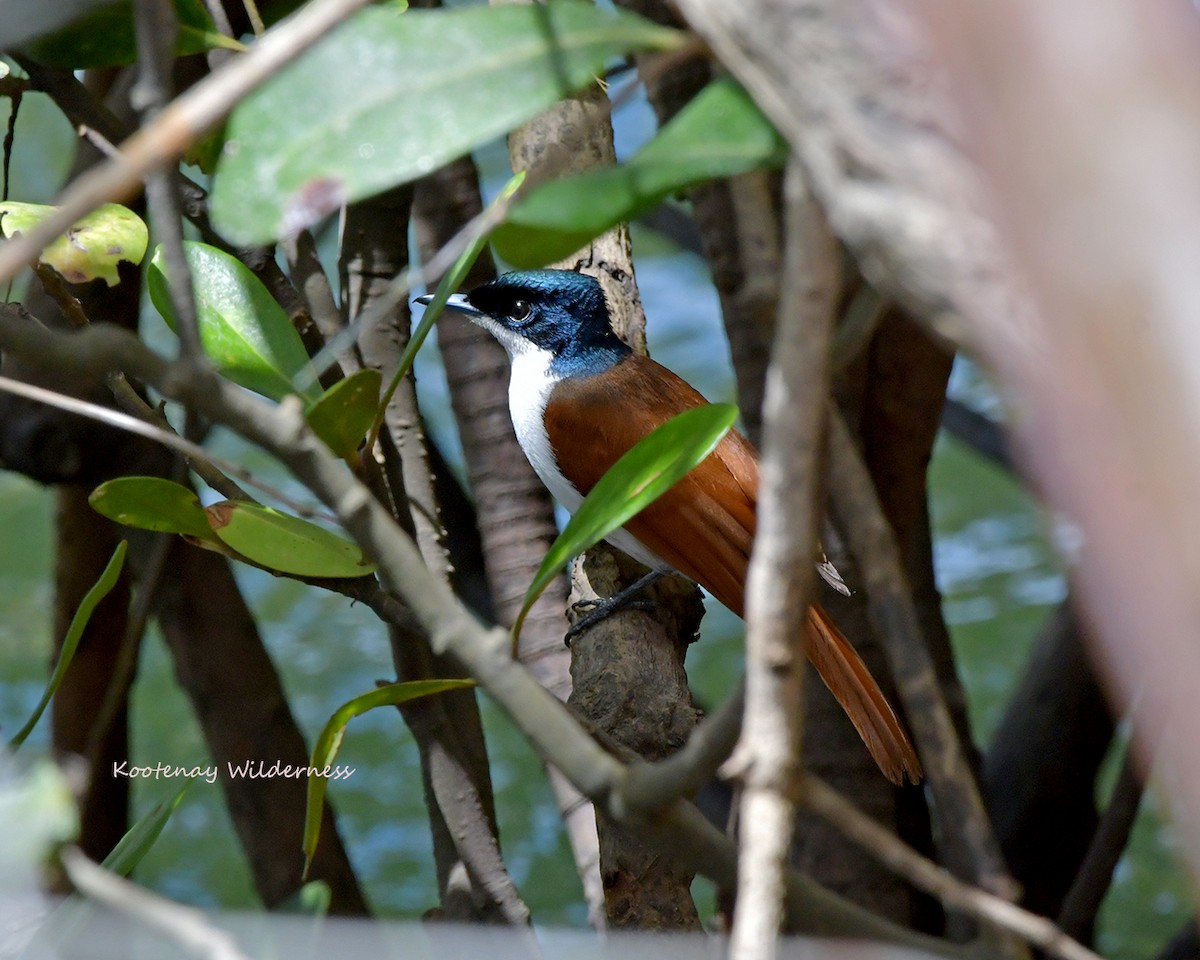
<point x="721" y="133"/>
<point x="100" y="589"/>
<point x="388" y="98"/>
<point x="285" y="543"/>
<point x="329" y="741"/>
<point x="653" y="465"/>
<point x="105" y="37"/>
<point x="245" y="331"/>
<point x="39" y="812"/>
<point x="139" y="838"/>
<point x="152" y="503"/>
<point x="205" y="152"/>
<point x="313" y="898"/>
<point x="345" y="412"/>
<point x="92" y="248"/>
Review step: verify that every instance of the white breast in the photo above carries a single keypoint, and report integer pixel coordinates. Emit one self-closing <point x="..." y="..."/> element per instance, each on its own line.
<point x="528" y="393"/>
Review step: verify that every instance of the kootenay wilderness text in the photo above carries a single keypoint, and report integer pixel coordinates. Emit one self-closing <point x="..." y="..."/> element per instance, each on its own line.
<point x="247" y="769"/>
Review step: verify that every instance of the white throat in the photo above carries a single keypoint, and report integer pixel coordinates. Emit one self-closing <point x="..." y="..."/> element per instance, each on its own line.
<point x="531" y="382"/>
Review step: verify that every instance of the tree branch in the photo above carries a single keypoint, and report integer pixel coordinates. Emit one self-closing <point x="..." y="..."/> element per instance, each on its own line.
<point x="781" y="574"/>
<point x="929" y="876"/>
<point x="955" y="792"/>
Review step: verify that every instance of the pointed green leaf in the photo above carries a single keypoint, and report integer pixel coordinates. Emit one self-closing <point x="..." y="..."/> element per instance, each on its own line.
<point x="244" y="330"/>
<point x="442" y="82"/>
<point x="151" y="503"/>
<point x="105" y="37"/>
<point x="284" y="543"/>
<point x="345" y="412"/>
<point x="100" y="589"/>
<point x="139" y="838"/>
<point x="721" y="133"/>
<point x="330" y="740"/>
<point x="654" y="464"/>
<point x="92" y="248"/>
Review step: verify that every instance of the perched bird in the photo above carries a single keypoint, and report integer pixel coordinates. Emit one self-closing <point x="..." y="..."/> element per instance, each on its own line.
<point x="580" y="398"/>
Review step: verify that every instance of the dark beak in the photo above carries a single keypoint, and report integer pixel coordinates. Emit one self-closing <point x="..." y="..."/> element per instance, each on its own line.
<point x="457" y="302"/>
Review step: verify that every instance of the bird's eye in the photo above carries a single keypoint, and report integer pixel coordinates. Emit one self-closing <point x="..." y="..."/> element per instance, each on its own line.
<point x="520" y="311"/>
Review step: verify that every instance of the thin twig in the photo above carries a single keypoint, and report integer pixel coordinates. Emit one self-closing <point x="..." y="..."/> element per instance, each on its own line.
<point x="1082" y="902"/>
<point x="187" y="118"/>
<point x="928" y="876"/>
<point x="98" y="140"/>
<point x="974" y="853"/>
<point x="132" y="403"/>
<point x="187" y="926"/>
<point x="157" y="26"/>
<point x="123" y="421"/>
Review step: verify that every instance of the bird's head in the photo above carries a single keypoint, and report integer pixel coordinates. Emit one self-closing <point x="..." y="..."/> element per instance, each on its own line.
<point x="560" y="312"/>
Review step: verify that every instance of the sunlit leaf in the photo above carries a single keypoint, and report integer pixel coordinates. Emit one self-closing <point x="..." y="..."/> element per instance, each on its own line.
<point x="100" y="589"/>
<point x="285" y="543"/>
<point x="89" y="250"/>
<point x="244" y="330"/>
<point x="105" y="37"/>
<point x="390" y="97"/>
<point x="151" y="503"/>
<point x="37" y="803"/>
<point x="641" y="476"/>
<point x="721" y="133"/>
<point x="329" y="741"/>
<point x="139" y="838"/>
<point x="345" y="411"/>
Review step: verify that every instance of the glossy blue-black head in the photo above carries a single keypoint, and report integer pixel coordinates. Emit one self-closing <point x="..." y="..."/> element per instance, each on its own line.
<point x="557" y="311"/>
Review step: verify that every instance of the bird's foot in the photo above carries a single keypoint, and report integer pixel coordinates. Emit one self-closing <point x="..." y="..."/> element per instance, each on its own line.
<point x="603" y="607"/>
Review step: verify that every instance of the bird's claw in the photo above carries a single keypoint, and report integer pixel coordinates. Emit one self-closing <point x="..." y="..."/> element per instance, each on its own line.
<point x="601" y="608"/>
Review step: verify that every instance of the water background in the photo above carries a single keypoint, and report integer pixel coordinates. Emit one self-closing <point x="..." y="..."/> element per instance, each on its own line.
<point x="996" y="571"/>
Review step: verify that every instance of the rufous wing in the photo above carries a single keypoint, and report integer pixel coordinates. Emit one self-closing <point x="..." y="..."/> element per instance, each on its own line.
<point x="704" y="525"/>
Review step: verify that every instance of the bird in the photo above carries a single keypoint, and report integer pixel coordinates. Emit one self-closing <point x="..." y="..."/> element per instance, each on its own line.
<point x="580" y="398"/>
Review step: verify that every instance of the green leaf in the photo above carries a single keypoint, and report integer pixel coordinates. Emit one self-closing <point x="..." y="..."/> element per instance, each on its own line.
<point x="313" y="898"/>
<point x="442" y="82"/>
<point x="105" y="37"/>
<point x="721" y="133"/>
<point x="100" y="589"/>
<point x="330" y="740"/>
<point x="244" y="330"/>
<point x="346" y="411"/>
<point x="654" y="464"/>
<point x="92" y="248"/>
<point x="285" y="543"/>
<point x="152" y="503"/>
<point x="138" y="840"/>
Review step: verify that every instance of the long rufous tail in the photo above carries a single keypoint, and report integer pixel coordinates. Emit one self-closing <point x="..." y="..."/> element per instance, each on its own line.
<point x="849" y="680"/>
